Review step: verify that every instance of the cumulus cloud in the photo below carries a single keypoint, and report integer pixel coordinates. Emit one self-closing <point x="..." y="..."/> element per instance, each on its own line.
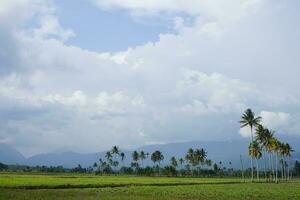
<point x="275" y="120"/>
<point x="173" y="89"/>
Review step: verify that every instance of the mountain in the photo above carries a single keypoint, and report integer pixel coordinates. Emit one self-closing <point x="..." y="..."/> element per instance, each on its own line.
<point x="9" y="155"/>
<point x="66" y="159"/>
<point x="224" y="151"/>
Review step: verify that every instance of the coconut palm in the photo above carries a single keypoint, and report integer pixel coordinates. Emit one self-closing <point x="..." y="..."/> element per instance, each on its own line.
<point x="174" y="162"/>
<point x="189" y="157"/>
<point x="285" y="151"/>
<point x="135" y="156"/>
<point x="261" y="136"/>
<point x="181" y="161"/>
<point x="123" y="156"/>
<point x="249" y="119"/>
<point x="108" y="157"/>
<point x="115" y="150"/>
<point x="147" y="156"/>
<point x="288" y="151"/>
<point x="142" y="157"/>
<point x="275" y="147"/>
<point x="281" y="153"/>
<point x="95" y="165"/>
<point x="208" y="162"/>
<point x="255" y="153"/>
<point x="269" y="134"/>
<point x="157" y="156"/>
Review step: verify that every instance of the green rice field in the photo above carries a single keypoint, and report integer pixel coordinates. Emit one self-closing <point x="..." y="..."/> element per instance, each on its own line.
<point x="74" y="186"/>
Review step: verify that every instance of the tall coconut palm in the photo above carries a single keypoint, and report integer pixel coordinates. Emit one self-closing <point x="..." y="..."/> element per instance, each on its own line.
<point x="255" y="152"/>
<point x="115" y="150"/>
<point x="288" y="151"/>
<point x="108" y="157"/>
<point x="147" y="156"/>
<point x="157" y="156"/>
<point x="275" y="145"/>
<point x="281" y="152"/>
<point x="249" y="119"/>
<point x="174" y="162"/>
<point x="208" y="163"/>
<point x="189" y="157"/>
<point x="123" y="156"/>
<point x="160" y="157"/>
<point x="142" y="157"/>
<point x="261" y="136"/>
<point x="135" y="156"/>
<point x="269" y="134"/>
<point x="181" y="161"/>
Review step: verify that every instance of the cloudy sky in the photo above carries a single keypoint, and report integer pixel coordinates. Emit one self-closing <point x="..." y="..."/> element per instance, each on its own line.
<point x="88" y="74"/>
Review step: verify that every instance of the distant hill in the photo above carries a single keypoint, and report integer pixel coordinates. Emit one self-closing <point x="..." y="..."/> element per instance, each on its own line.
<point x="225" y="151"/>
<point x="9" y="155"/>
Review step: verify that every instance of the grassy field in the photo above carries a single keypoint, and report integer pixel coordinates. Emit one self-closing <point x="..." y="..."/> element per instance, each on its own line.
<point x="30" y="186"/>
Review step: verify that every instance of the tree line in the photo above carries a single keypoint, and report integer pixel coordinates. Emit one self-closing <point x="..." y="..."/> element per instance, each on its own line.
<point x="194" y="161"/>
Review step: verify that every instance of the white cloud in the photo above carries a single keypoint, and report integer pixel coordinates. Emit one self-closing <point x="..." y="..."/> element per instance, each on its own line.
<point x="50" y="27"/>
<point x="275" y="120"/>
<point x="245" y="132"/>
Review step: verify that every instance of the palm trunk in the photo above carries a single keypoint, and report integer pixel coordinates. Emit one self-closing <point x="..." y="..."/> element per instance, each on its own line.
<point x="276" y="178"/>
<point x="257" y="170"/>
<point x="242" y="168"/>
<point x="272" y="166"/>
<point x="288" y="173"/>
<point x="251" y="156"/>
<point x="282" y="170"/>
<point x="265" y="163"/>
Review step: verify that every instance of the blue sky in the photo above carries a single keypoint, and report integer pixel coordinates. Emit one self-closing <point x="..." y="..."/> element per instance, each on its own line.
<point x="108" y="30"/>
<point x="87" y="75"/>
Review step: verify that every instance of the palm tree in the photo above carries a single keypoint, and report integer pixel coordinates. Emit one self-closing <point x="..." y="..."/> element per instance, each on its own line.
<point x="123" y="156"/>
<point x="249" y="119"/>
<point x="95" y="166"/>
<point x="203" y="156"/>
<point x="285" y="151"/>
<point x="190" y="158"/>
<point x="208" y="162"/>
<point x="288" y="150"/>
<point x="174" y="162"/>
<point x="269" y="134"/>
<point x="108" y="157"/>
<point x="142" y="157"/>
<point x="160" y="157"/>
<point x="157" y="156"/>
<point x="135" y="156"/>
<point x="115" y="150"/>
<point x="146" y="158"/>
<point x="255" y="152"/>
<point x="261" y="137"/>
<point x="275" y="144"/>
<point x="181" y="161"/>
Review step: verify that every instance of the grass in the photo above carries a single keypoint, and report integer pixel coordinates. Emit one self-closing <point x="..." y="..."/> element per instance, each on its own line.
<point x="21" y="186"/>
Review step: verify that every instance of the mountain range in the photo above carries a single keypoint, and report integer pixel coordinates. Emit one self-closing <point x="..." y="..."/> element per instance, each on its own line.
<point x="224" y="151"/>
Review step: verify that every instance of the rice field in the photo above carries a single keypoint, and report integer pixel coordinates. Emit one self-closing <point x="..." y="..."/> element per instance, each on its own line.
<point x="74" y="186"/>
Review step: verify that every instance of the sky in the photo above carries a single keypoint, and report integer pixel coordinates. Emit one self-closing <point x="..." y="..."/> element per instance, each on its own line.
<point x="84" y="75"/>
